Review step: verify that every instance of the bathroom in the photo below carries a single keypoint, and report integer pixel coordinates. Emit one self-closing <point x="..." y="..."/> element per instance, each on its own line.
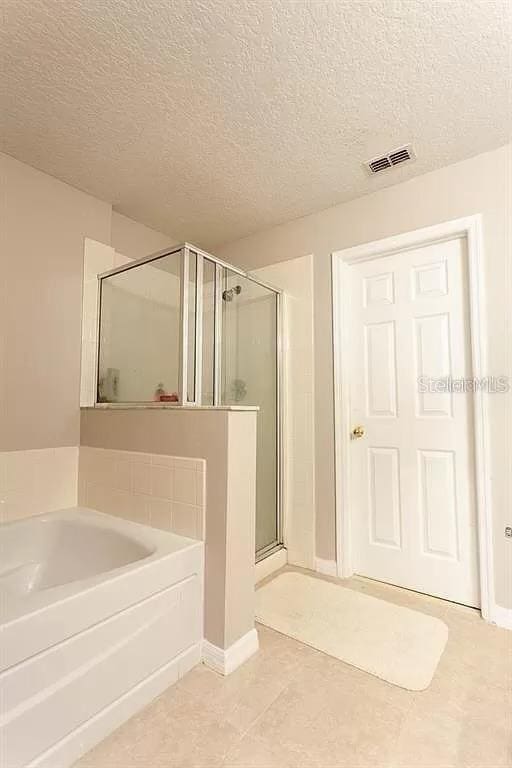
<point x="233" y="530"/>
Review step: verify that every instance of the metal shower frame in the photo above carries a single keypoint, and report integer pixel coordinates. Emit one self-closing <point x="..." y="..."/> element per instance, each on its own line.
<point x="187" y="251"/>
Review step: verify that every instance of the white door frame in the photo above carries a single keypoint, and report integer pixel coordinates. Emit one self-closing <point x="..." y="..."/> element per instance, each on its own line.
<point x="470" y="229"/>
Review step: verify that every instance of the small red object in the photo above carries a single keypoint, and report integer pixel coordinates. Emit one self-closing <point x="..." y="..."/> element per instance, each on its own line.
<point x="172" y="398"/>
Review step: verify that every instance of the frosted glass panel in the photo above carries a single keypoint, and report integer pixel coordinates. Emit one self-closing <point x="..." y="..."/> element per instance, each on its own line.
<point x="249" y="377"/>
<point x="208" y="335"/>
<point x="191" y="341"/>
<point x="140" y="333"/>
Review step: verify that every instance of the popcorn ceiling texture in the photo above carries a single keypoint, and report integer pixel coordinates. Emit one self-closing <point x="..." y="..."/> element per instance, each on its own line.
<point x="212" y="119"/>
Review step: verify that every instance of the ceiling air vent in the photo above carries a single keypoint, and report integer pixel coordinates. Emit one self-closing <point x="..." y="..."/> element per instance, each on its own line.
<point x="395" y="157"/>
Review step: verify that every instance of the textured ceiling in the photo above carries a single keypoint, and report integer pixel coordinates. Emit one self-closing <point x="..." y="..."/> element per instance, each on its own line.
<point x="212" y="119"/>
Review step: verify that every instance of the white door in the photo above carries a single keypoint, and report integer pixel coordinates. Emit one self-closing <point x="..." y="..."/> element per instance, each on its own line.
<point x="412" y="472"/>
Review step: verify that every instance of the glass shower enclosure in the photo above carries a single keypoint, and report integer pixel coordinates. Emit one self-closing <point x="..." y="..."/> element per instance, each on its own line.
<point x="184" y="328"/>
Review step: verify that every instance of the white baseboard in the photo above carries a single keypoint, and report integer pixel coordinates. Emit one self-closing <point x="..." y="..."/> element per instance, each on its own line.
<point x="270" y="565"/>
<point x="327" y="567"/>
<point x="227" y="660"/>
<point x="69" y="749"/>
<point x="502" y="617"/>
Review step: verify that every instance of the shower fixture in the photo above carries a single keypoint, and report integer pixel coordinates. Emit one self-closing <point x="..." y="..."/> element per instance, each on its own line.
<point x="228" y="295"/>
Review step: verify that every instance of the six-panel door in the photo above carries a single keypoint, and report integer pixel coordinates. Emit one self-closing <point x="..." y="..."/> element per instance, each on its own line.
<point x="412" y="474"/>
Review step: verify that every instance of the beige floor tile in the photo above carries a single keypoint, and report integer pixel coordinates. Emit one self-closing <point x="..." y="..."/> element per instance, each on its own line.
<point x="481" y="747"/>
<point x="165" y="733"/>
<point x="252" y="752"/>
<point x="210" y="750"/>
<point x="460" y="724"/>
<point x="294" y="707"/>
<point x="439" y="740"/>
<point x="243" y="696"/>
<point x="203" y="682"/>
<point x="293" y="711"/>
<point x="257" y="697"/>
<point x="111" y="753"/>
<point x="344" y="723"/>
<point x="476" y="656"/>
<point x="427" y="742"/>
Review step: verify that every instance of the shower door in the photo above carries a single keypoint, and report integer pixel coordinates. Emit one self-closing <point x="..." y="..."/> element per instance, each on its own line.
<point x="249" y="376"/>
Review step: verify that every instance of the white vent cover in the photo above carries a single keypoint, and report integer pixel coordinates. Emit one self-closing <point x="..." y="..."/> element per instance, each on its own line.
<point x="395" y="157"/>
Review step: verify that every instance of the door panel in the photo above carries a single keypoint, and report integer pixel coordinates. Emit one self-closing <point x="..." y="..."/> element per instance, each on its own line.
<point x="412" y="474"/>
<point x="380" y="369"/>
<point x="438" y="503"/>
<point x="385" y="496"/>
<point x="432" y="348"/>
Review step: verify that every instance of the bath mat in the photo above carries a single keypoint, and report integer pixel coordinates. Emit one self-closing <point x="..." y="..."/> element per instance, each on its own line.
<point x="397" y="644"/>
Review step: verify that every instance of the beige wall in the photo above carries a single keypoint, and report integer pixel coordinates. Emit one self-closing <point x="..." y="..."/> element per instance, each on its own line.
<point x="134" y="240"/>
<point x="239" y="597"/>
<point x="44" y="223"/>
<point x="479" y="185"/>
<point x="37" y="481"/>
<point x="227" y="440"/>
<point x="43" y="226"/>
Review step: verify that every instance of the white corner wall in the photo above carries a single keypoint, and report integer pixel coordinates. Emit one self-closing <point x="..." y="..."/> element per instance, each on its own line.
<point x="295" y="277"/>
<point x="98" y="258"/>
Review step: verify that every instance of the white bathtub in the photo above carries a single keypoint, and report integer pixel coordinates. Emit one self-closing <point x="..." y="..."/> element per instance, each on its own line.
<point x="97" y="617"/>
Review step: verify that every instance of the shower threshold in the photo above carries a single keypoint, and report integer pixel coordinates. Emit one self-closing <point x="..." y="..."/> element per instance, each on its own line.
<point x="272" y="563"/>
<point x="267" y="551"/>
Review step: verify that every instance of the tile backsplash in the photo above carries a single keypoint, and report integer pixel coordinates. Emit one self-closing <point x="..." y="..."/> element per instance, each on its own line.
<point x="166" y="492"/>
<point x="37" y="481"/>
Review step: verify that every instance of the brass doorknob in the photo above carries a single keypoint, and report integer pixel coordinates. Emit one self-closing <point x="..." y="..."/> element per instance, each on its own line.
<point x="357" y="432"/>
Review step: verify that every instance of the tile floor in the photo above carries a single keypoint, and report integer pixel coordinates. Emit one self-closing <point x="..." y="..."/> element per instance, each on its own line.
<point x="291" y="706"/>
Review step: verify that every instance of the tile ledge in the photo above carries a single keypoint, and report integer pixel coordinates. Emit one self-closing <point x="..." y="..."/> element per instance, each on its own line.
<point x="166" y="407"/>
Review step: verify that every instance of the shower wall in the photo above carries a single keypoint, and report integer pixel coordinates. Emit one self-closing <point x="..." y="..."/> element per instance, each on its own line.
<point x="185" y="326"/>
<point x="140" y="332"/>
<point x="134" y="347"/>
<point x="249" y="377"/>
<point x="208" y="334"/>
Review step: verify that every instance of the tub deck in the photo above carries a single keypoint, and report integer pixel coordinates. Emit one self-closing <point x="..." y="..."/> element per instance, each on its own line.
<point x="98" y="615"/>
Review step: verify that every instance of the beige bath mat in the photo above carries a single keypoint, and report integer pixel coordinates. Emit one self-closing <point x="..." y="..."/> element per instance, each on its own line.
<point x="396" y="644"/>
